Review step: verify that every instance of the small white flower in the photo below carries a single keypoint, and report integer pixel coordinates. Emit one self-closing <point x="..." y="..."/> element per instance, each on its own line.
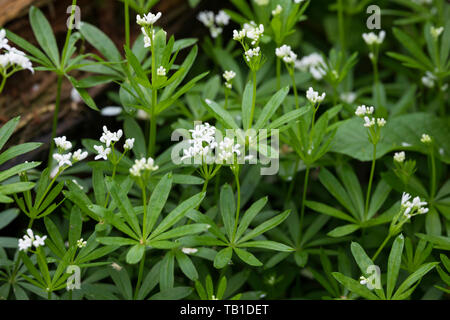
<point x="348" y="97"/>
<point x="253" y="32"/>
<point x="371" y="38"/>
<point x="363" y="110"/>
<point x="109" y="137"/>
<point x="313" y="96"/>
<point x="284" y="52"/>
<point x="81" y="243"/>
<point x="30" y="239"/>
<point x="369" y="122"/>
<point x="222" y="18"/>
<point x="425" y="138"/>
<point x="102" y="152"/>
<point x="39" y="241"/>
<point x="314" y="64"/>
<point x="229" y="75"/>
<point x="141" y="165"/>
<point x="129" y="143"/>
<point x="429" y="79"/>
<point x="161" y="71"/>
<point x="405" y="198"/>
<point x="362" y="280"/>
<point x="436" y="32"/>
<point x="189" y="250"/>
<point x="250" y="53"/>
<point x="3" y="40"/>
<point x="277" y="10"/>
<point x="147" y="19"/>
<point x="238" y="35"/>
<point x="63" y="159"/>
<point x="79" y="155"/>
<point x="62" y="143"/>
<point x="381" y="122"/>
<point x="399" y="156"/>
<point x="206" y="17"/>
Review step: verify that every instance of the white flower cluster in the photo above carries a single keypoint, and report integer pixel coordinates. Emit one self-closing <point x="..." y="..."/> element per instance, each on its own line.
<point x="250" y="53"/>
<point x="425" y="138"/>
<point x="215" y="23"/>
<point x="412" y="208"/>
<point x="148" y="19"/>
<point x="109" y="139"/>
<point x="147" y="40"/>
<point x="11" y="57"/>
<point x="161" y="71"/>
<point x="399" y="157"/>
<point x="204" y="142"/>
<point x="429" y="79"/>
<point x="67" y="158"/>
<point x="314" y="64"/>
<point x="285" y="52"/>
<point x="371" y="38"/>
<point x="278" y="9"/>
<point x="313" y="96"/>
<point x="363" y="112"/>
<point x="30" y="239"/>
<point x="253" y="32"/>
<point x="229" y="75"/>
<point x="141" y="165"/>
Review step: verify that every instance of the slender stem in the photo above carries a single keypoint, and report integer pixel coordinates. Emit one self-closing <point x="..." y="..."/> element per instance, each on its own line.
<point x="341" y="25"/>
<point x="305" y="188"/>
<point x="141" y="272"/>
<point x="127" y="23"/>
<point x="144" y="217"/>
<point x="205" y="185"/>
<point x="433" y="175"/>
<point x="381" y="247"/>
<point x="226" y="97"/>
<point x="55" y="119"/>
<point x="238" y="205"/>
<point x="152" y="135"/>
<point x="2" y="84"/>
<point x="292" y="184"/>
<point x="294" y="87"/>
<point x="30" y="224"/>
<point x="68" y="34"/>
<point x="253" y="99"/>
<point x="278" y="74"/>
<point x="372" y="170"/>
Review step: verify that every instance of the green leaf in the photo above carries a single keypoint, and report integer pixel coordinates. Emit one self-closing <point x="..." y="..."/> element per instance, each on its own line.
<point x="323" y="208"/>
<point x="394" y="262"/>
<point x="223" y="257"/>
<point x="266" y="244"/>
<point x="157" y="202"/>
<point x="247" y="257"/>
<point x="343" y="230"/>
<point x="7" y="130"/>
<point x="416" y="276"/>
<point x="17" y="169"/>
<point x="270" y="108"/>
<point x="249" y="215"/>
<point x="265" y="226"/>
<point x="17" y="150"/>
<point x="135" y="253"/>
<point x="228" y="209"/>
<point x="167" y="270"/>
<point x="439" y="242"/>
<point x="100" y="41"/>
<point x="176" y="293"/>
<point x="186" y="265"/>
<point x="75" y="226"/>
<point x="7" y="216"/>
<point x="221" y="114"/>
<point x="44" y="34"/>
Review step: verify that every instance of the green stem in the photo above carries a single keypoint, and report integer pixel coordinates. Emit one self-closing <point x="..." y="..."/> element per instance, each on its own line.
<point x="341" y="25"/>
<point x="55" y="119"/>
<point x="112" y="177"/>
<point x="253" y="99"/>
<point x="152" y="135"/>
<point x="144" y="217"/>
<point x="292" y="184"/>
<point x="433" y="174"/>
<point x="2" y="84"/>
<point x="305" y="188"/>
<point x="30" y="224"/>
<point x="238" y="205"/>
<point x="294" y="87"/>
<point x="127" y="23"/>
<point x="278" y="74"/>
<point x="205" y="185"/>
<point x="141" y="272"/>
<point x="372" y="170"/>
<point x="68" y="34"/>
<point x="381" y="247"/>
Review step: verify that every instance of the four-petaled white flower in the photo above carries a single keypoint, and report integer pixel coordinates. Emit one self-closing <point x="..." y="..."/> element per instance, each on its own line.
<point x="414" y="207"/>
<point x="141" y="165"/>
<point x="161" y="71"/>
<point x="313" y="96"/>
<point x="229" y="75"/>
<point x="62" y="143"/>
<point x="147" y="19"/>
<point x="399" y="156"/>
<point x="222" y="18"/>
<point x="429" y="79"/>
<point x="63" y="159"/>
<point x="369" y="122"/>
<point x="79" y="155"/>
<point x="102" y="152"/>
<point x="436" y="32"/>
<point x="129" y="143"/>
<point x="81" y="243"/>
<point x="227" y="150"/>
<point x="371" y="38"/>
